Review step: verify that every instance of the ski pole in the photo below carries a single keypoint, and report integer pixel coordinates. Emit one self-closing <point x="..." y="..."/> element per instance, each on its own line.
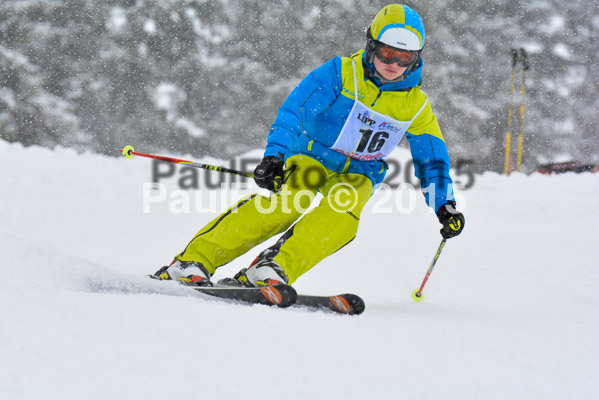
<point x="417" y="294"/>
<point x="508" y="138"/>
<point x="525" y="66"/>
<point x="129" y="152"/>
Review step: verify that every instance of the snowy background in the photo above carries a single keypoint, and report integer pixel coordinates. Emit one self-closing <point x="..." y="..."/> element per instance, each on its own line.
<point x="511" y="310"/>
<point x="183" y="76"/>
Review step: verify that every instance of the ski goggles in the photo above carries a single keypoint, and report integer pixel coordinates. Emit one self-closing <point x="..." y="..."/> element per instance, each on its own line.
<point x="389" y="55"/>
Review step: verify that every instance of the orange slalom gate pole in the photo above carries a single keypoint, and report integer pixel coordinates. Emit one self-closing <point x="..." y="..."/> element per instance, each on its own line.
<point x="525" y="66"/>
<point x="507" y="167"/>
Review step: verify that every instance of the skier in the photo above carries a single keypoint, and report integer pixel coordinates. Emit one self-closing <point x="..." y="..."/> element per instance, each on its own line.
<point x="331" y="135"/>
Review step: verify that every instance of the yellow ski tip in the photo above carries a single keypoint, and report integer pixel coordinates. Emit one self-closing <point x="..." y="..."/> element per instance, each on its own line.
<point x="417" y="296"/>
<point x="127" y="150"/>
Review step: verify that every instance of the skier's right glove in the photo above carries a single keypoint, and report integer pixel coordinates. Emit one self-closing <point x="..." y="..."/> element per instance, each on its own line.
<point x="452" y="220"/>
<point x="269" y="173"/>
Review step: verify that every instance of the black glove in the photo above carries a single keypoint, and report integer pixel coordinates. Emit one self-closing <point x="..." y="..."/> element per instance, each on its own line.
<point x="452" y="220"/>
<point x="269" y="173"/>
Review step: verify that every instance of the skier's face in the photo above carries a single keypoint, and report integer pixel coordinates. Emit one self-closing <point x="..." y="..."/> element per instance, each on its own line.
<point x="388" y="71"/>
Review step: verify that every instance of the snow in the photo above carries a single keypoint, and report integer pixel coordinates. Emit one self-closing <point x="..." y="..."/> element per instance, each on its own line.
<point x="150" y="26"/>
<point x="511" y="309"/>
<point x="556" y="24"/>
<point x="190" y="126"/>
<point x="167" y="96"/>
<point x="117" y="20"/>
<point x="561" y="50"/>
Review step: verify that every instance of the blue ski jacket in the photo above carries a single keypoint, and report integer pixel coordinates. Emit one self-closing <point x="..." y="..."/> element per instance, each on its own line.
<point x="313" y="115"/>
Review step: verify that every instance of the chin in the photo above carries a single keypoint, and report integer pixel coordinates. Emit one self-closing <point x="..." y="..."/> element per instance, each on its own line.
<point x="391" y="77"/>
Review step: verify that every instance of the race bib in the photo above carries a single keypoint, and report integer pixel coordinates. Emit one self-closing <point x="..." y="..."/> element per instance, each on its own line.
<point x="368" y="135"/>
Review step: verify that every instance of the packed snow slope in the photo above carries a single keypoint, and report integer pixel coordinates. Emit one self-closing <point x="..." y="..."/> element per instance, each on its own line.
<point x="511" y="310"/>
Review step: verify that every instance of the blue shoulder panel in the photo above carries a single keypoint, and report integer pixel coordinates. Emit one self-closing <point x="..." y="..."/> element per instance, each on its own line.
<point x="312" y="96"/>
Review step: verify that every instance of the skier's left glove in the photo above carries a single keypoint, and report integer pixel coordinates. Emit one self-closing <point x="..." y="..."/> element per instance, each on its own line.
<point x="269" y="173"/>
<point x="452" y="220"/>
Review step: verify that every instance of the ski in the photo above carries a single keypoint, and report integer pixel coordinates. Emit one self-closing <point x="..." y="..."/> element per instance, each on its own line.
<point x="277" y="295"/>
<point x="349" y="304"/>
<point x="284" y="296"/>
